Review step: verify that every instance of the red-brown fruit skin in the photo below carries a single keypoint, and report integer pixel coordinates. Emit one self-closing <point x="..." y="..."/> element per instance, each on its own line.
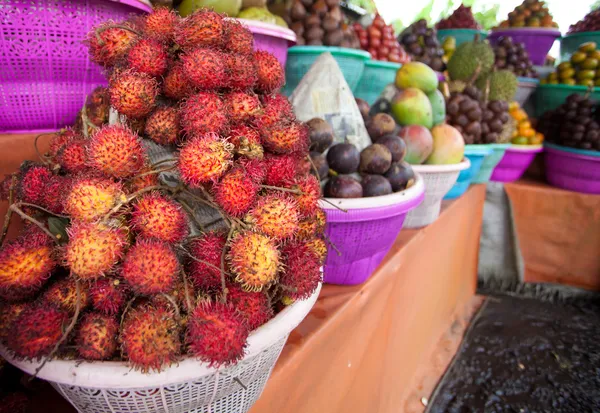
<point x="33" y="180"/>
<point x="72" y="157"/>
<point x="109" y="44"/>
<point x="285" y="138"/>
<point x="302" y="274"/>
<point x="271" y="77"/>
<point x="216" y="334"/>
<point x="36" y="331"/>
<point x="59" y="139"/>
<point x="281" y="169"/>
<point x="236" y="192"/>
<point x="156" y="216"/>
<point x="160" y="24"/>
<point x="202" y="28"/>
<point x="252" y="307"/>
<point x="162" y="126"/>
<point x="255" y="168"/>
<point x="133" y="94"/>
<point x="240" y="131"/>
<point x="277" y="109"/>
<point x="9" y="312"/>
<point x="238" y="39"/>
<point x="175" y="84"/>
<point x="242" y="107"/>
<point x="63" y="295"/>
<point x="97" y="336"/>
<point x="205" y="68"/>
<point x="108" y="297"/>
<point x="204" y="159"/>
<point x="148" y="56"/>
<point x="54" y="192"/>
<point x="116" y="151"/>
<point x="308" y="201"/>
<point x="204" y="112"/>
<point x="241" y="72"/>
<point x="209" y="248"/>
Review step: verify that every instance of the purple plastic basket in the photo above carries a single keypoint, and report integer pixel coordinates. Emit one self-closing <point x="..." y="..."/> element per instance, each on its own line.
<point x="538" y="41"/>
<point x="271" y="38"/>
<point x="46" y="72"/>
<point x="573" y="169"/>
<point x="363" y="236"/>
<point x="515" y="162"/>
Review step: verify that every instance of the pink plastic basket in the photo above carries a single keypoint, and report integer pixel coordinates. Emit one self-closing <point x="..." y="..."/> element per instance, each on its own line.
<point x="364" y="234"/>
<point x="515" y="162"/>
<point x="46" y="73"/>
<point x="271" y="38"/>
<point x="573" y="169"/>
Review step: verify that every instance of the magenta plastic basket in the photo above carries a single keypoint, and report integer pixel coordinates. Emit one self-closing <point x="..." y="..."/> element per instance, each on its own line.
<point x="538" y="41"/>
<point x="573" y="169"/>
<point x="46" y="72"/>
<point x="271" y="38"/>
<point x="515" y="162"/>
<point x="364" y="234"/>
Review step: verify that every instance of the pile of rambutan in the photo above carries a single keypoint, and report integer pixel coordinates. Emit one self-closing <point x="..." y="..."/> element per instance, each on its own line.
<point x="114" y="259"/>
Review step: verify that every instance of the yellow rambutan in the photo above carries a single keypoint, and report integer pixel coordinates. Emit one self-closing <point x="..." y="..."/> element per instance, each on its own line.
<point x="63" y="294"/>
<point x="92" y="197"/>
<point x="116" y="151"/>
<point x="204" y="158"/>
<point x="254" y="260"/>
<point x="275" y="215"/>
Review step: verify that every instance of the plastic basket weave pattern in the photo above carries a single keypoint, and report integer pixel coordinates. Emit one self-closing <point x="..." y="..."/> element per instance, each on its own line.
<point x="376" y="76"/>
<point x="515" y="162"/>
<point x="46" y="72"/>
<point x="490" y="162"/>
<point x="573" y="169"/>
<point x="476" y="155"/>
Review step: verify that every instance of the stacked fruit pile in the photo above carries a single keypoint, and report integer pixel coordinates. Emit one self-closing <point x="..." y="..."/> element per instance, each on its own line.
<point x="530" y="13"/>
<point x="524" y="133"/>
<point x="461" y="18"/>
<point x="513" y="57"/>
<point x="379" y="40"/>
<point x="422" y="45"/>
<point x="590" y="23"/>
<point x="320" y="22"/>
<point x="582" y="69"/>
<point x="575" y="123"/>
<point x="106" y="267"/>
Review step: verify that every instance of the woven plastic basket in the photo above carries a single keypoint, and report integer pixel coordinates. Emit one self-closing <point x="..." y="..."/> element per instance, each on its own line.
<point x="490" y="162"/>
<point x="538" y="40"/>
<point x="515" y="162"/>
<point x="376" y="76"/>
<point x="573" y="169"/>
<point x="189" y="387"/>
<point x="46" y="72"/>
<point x="476" y="154"/>
<point x="438" y="181"/>
<point x="271" y="38"/>
<point x="363" y="235"/>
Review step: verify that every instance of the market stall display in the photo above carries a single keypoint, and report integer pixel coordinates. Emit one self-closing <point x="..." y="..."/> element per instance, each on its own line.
<point x="584" y="31"/>
<point x="380" y="41"/>
<point x="271" y="38"/>
<point x="476" y="154"/>
<point x="460" y="25"/>
<point x="422" y="45"/>
<point x="581" y="69"/>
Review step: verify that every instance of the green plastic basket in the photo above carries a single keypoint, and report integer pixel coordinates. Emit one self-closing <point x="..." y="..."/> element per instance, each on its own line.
<point x="301" y="58"/>
<point x="376" y="76"/>
<point x="490" y="161"/>
<point x="548" y="97"/>
<point x="461" y="35"/>
<point x="571" y="42"/>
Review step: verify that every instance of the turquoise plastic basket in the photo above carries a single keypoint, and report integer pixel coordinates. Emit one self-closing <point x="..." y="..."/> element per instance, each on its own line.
<point x="461" y="35"/>
<point x="571" y="42"/>
<point x="490" y="162"/>
<point x="476" y="154"/>
<point x="549" y="97"/>
<point x="376" y="76"/>
<point x="301" y="58"/>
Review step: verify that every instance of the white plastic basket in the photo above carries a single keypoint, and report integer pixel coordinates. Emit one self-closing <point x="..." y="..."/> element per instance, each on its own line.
<point x="189" y="387"/>
<point x="439" y="179"/>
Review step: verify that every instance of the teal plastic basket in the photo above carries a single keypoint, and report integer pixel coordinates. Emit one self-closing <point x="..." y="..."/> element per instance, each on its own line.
<point x="490" y="162"/>
<point x="301" y="58"/>
<point x="571" y="42"/>
<point x="549" y="97"/>
<point x="461" y="35"/>
<point x="376" y="76"/>
<point x="476" y="154"/>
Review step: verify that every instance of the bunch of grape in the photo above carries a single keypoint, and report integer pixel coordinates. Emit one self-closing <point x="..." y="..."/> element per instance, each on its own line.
<point x="461" y="18"/>
<point x="513" y="57"/>
<point x="590" y="23"/>
<point x="422" y="44"/>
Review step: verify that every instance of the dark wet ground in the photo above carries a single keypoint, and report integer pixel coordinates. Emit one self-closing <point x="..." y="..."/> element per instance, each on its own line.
<point x="525" y="355"/>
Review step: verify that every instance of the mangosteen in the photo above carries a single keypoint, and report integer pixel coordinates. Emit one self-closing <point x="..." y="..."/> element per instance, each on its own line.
<point x="381" y="124"/>
<point x="343" y="158"/>
<point x="364" y="108"/>
<point x="375" y="185"/>
<point x="343" y="186"/>
<point x="375" y="159"/>
<point x="400" y="176"/>
<point x="320" y="162"/>
<point x="395" y="144"/>
<point x="381" y="105"/>
<point x="321" y="134"/>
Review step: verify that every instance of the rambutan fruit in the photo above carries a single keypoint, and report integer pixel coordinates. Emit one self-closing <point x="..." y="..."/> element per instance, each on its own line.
<point x="6" y="185"/>
<point x="204" y="112"/>
<point x="90" y="197"/>
<point x="301" y="270"/>
<point x="108" y="43"/>
<point x="108" y="295"/>
<point x="59" y="139"/>
<point x="253" y="307"/>
<point x="150" y="337"/>
<point x="146" y="178"/>
<point x="321" y="220"/>
<point x="205" y="68"/>
<point x="54" y="192"/>
<point x="63" y="294"/>
<point x="208" y="248"/>
<point x="175" y="84"/>
<point x="308" y="199"/>
<point x="72" y="157"/>
<point x="307" y="228"/>
<point x="133" y="94"/>
<point x="148" y="56"/>
<point x="255" y="168"/>
<point x="242" y="106"/>
<point x="216" y="334"/>
<point x="137" y="126"/>
<point x="271" y="77"/>
<point x="246" y="141"/>
<point x="277" y="109"/>
<point x="275" y="215"/>
<point x="241" y="71"/>
<point x="97" y="107"/>
<point x="254" y="259"/>
<point x="162" y="126"/>
<point x="280" y="169"/>
<point x="285" y="138"/>
<point x="303" y="166"/>
<point x="150" y="267"/>
<point x="156" y="216"/>
<point x="33" y="180"/>
<point x="96" y="337"/>
<point x="238" y="39"/>
<point x="236" y="192"/>
<point x="116" y="151"/>
<point x="93" y="249"/>
<point x="203" y="28"/>
<point x="160" y="24"/>
<point x="8" y="315"/>
<point x="204" y="158"/>
<point x="319" y="247"/>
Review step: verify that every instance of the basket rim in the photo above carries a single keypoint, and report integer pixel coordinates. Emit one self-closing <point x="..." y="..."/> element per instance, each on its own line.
<point x="432" y="169"/>
<point x="463" y="30"/>
<point x="380" y="64"/>
<point x="118" y="375"/>
<point x="478" y="149"/>
<point x="144" y="5"/>
<point x="580" y="34"/>
<point x="528" y="30"/>
<point x="573" y="152"/>
<point x="408" y="196"/>
<point x="575" y="88"/>
<point x="525" y="148"/>
<point x="341" y="51"/>
<point x="528" y="81"/>
<point x="268" y="29"/>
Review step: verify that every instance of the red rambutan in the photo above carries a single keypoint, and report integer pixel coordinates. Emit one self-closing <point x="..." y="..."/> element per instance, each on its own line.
<point x="303" y="166"/>
<point x="33" y="180"/>
<point x="148" y="56"/>
<point x="150" y="337"/>
<point x="59" y="139"/>
<point x="242" y="106"/>
<point x="72" y="157"/>
<point x="208" y="248"/>
<point x="255" y="168"/>
<point x="116" y="151"/>
<point x="204" y="158"/>
<point x="253" y="307"/>
<point x="54" y="192"/>
<point x="176" y="84"/>
<point x="285" y="137"/>
<point x="150" y="267"/>
<point x="8" y="315"/>
<point x="203" y="28"/>
<point x="133" y="94"/>
<point x="204" y="112"/>
<point x="158" y="217"/>
<point x="160" y="24"/>
<point x="142" y="180"/>
<point x="308" y="200"/>
<point x="319" y="247"/>
<point x="254" y="259"/>
<point x="93" y="249"/>
<point x="238" y="39"/>
<point x="275" y="215"/>
<point x="97" y="336"/>
<point x="108" y="295"/>
<point x="108" y="43"/>
<point x="162" y="126"/>
<point x="271" y="77"/>
<point x="236" y="192"/>
<point x="205" y="68"/>
<point x="301" y="274"/>
<point x="307" y="228"/>
<point x="90" y="198"/>
<point x="280" y="169"/>
<point x="277" y="109"/>
<point x="246" y="141"/>
<point x="241" y="71"/>
<point x="63" y="294"/>
<point x="216" y="334"/>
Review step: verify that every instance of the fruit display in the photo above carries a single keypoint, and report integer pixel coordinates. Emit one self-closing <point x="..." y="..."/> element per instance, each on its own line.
<point x="118" y="259"/>
<point x="320" y="23"/>
<point x="449" y="46"/>
<point x="575" y="123"/>
<point x="583" y="68"/>
<point x="422" y="45"/>
<point x="379" y="40"/>
<point x="513" y="57"/>
<point x="461" y="18"/>
<point x="262" y="14"/>
<point x="590" y="23"/>
<point x="470" y="60"/>
<point x="524" y="133"/>
<point x="249" y="10"/>
<point x="530" y="13"/>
